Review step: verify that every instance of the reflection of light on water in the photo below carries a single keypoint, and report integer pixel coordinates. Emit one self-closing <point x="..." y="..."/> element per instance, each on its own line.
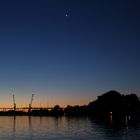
<point x="110" y="117"/>
<point x="127" y="119"/>
<point x="24" y="127"/>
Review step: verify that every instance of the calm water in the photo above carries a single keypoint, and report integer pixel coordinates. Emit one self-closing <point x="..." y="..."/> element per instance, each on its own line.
<point x="63" y="128"/>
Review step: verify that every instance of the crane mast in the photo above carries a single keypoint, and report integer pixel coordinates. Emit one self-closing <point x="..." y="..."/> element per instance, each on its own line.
<point x="30" y="104"/>
<point x="14" y="103"/>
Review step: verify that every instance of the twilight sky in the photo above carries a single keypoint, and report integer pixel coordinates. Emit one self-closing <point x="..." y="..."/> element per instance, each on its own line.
<point x="68" y="51"/>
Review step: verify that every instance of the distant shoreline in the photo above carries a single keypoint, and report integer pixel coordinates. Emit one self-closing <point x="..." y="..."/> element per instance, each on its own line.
<point x="111" y="105"/>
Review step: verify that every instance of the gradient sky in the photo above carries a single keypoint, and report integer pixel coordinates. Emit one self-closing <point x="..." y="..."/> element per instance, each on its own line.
<point x="68" y="51"/>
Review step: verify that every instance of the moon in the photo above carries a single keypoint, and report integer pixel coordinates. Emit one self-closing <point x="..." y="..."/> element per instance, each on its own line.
<point x="67" y="14"/>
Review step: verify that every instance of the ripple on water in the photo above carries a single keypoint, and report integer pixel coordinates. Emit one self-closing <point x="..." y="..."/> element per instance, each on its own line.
<point x="64" y="128"/>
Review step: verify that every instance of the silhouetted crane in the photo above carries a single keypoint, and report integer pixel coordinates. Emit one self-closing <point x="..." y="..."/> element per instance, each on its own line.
<point x="30" y="105"/>
<point x="14" y="103"/>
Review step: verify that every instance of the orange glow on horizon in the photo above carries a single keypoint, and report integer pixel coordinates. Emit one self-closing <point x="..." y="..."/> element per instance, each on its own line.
<point x="61" y="103"/>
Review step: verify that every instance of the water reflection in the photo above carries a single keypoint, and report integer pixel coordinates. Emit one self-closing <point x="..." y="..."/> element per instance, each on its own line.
<point x="67" y="128"/>
<point x="14" y="126"/>
<point x="113" y="128"/>
<point x="30" y="127"/>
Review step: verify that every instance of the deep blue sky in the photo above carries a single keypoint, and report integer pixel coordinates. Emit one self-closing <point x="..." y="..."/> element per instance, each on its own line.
<point x="68" y="51"/>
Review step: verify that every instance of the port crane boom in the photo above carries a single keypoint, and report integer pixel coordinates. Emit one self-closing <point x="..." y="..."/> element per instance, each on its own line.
<point x="30" y="104"/>
<point x="14" y="103"/>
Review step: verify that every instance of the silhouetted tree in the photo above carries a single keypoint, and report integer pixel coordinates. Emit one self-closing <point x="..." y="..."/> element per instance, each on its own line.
<point x="56" y="111"/>
<point x="75" y="110"/>
<point x="130" y="103"/>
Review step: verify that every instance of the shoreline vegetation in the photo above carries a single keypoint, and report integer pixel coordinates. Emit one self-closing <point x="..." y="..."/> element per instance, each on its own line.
<point x="111" y="104"/>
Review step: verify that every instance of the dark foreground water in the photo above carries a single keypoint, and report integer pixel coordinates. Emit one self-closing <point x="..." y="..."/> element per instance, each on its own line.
<point x="63" y="128"/>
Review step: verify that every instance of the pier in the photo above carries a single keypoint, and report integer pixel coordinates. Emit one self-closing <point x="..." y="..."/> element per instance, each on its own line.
<point x="24" y="109"/>
<point x="34" y="111"/>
